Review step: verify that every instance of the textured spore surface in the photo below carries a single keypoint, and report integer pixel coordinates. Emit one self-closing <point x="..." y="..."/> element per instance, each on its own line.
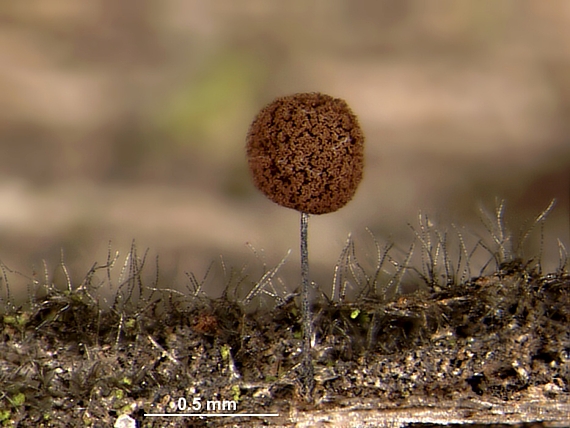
<point x="306" y="152"/>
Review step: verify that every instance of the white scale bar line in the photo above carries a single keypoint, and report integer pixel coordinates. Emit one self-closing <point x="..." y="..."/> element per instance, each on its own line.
<point x="211" y="415"/>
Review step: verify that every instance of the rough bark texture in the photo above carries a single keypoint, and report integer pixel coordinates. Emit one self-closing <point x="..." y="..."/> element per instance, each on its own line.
<point x="491" y="351"/>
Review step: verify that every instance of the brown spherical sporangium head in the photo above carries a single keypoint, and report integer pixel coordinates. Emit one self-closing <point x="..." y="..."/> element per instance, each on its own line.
<point x="306" y="152"/>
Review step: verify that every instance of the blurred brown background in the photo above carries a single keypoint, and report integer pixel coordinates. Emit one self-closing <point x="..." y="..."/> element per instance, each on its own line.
<point x="127" y="120"/>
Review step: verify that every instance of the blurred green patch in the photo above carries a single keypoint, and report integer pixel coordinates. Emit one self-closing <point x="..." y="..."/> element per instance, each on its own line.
<point x="208" y="111"/>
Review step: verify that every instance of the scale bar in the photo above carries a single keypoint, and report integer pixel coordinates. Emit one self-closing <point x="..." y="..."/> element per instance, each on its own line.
<point x="211" y="415"/>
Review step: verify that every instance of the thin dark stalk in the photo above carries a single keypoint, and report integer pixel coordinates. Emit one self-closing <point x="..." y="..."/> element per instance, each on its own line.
<point x="307" y="363"/>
